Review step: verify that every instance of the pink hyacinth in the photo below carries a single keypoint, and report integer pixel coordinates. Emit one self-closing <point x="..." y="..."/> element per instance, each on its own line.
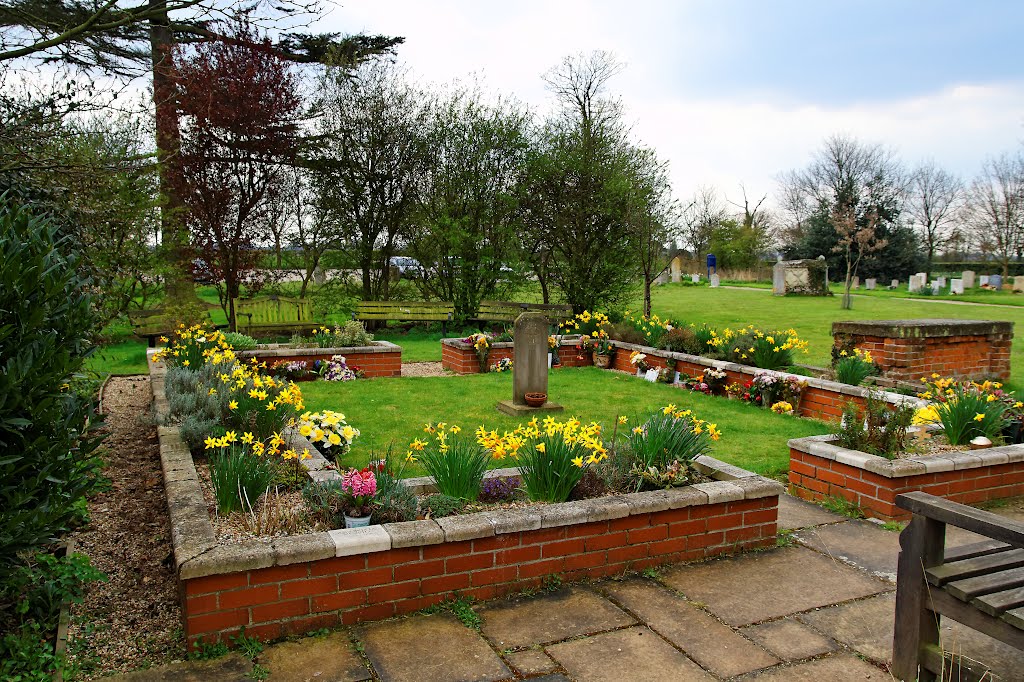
<point x="359" y="484"/>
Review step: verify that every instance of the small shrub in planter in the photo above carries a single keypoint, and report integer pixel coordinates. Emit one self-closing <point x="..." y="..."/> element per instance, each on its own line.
<point x="325" y="502"/>
<point x="967" y="409"/>
<point x="875" y="428"/>
<point x="500" y="489"/>
<point x="627" y="333"/>
<point x="662" y="449"/>
<point x="853" y="368"/>
<point x="457" y="463"/>
<point x="239" y="341"/>
<point x="439" y="505"/>
<point x="349" y="335"/>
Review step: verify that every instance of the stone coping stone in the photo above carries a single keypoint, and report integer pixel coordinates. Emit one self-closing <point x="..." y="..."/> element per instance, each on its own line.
<point x="282" y="350"/>
<point x="198" y="554"/>
<point x="922" y="328"/>
<point x="564" y="340"/>
<point x="821" y="446"/>
<point x="813" y="382"/>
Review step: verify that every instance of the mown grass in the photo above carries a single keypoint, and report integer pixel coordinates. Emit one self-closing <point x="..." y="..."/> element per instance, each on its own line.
<point x="394" y="411"/>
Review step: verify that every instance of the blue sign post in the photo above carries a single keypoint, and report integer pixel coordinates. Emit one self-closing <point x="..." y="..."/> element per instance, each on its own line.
<point x="712" y="265"/>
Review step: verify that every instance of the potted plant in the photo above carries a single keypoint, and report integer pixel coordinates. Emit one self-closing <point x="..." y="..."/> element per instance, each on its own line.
<point x="639" y="360"/>
<point x="482" y="345"/>
<point x="604" y="351"/>
<point x="358" y="487"/>
<point x="553" y="344"/>
<point x="715" y="379"/>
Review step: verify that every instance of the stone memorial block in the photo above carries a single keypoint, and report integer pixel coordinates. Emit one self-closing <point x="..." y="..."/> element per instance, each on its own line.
<point x="982" y="280"/>
<point x="915" y="285"/>
<point x="870" y="283"/>
<point x="676" y="270"/>
<point x="968" y="278"/>
<point x="695" y="279"/>
<point x="996" y="282"/>
<point x="714" y="280"/>
<point x="530" y="371"/>
<point x="923" y="276"/>
<point x="806" y="277"/>
<point x="662" y="278"/>
<point x="956" y="286"/>
<point x="779" y="279"/>
<point x="935" y="286"/>
<point x="319" y="276"/>
<point x="941" y="281"/>
<point x="855" y="283"/>
<point x="893" y="284"/>
<point x="1018" y="283"/>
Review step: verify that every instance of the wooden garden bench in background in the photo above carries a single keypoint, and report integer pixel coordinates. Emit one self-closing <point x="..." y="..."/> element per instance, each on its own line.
<point x="508" y="311"/>
<point x="274" y="314"/>
<point x="153" y="323"/>
<point x="980" y="585"/>
<point x="406" y="311"/>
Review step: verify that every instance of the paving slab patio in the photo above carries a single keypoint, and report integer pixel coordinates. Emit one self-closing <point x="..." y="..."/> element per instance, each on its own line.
<point x="795" y="513"/>
<point x="841" y="668"/>
<point x="433" y="647"/>
<point x="789" y="640"/>
<point x="230" y="668"/>
<point x="862" y="544"/>
<point x="531" y="662"/>
<point x="635" y="653"/>
<point x="566" y="613"/>
<point x="715" y="646"/>
<point x="766" y="585"/>
<point x="317" y="659"/>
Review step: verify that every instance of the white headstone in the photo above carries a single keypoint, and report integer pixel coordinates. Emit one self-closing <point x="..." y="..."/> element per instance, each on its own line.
<point x="983" y="280"/>
<point x="968" y="279"/>
<point x="870" y="283"/>
<point x="895" y="283"/>
<point x="941" y="281"/>
<point x="1018" y="283"/>
<point x="662" y="279"/>
<point x="714" y="280"/>
<point x="935" y="286"/>
<point x="996" y="282"/>
<point x="779" y="279"/>
<point x="956" y="286"/>
<point x="923" y="278"/>
<point x="915" y="285"/>
<point x="695" y="279"/>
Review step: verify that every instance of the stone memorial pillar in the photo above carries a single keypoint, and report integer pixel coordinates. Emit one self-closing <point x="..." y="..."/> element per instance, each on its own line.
<point x="996" y="282"/>
<point x="676" y="270"/>
<point x="530" y="368"/>
<point x="968" y="279"/>
<point x="779" y="279"/>
<point x="714" y="280"/>
<point x="870" y="283"/>
<point x="1018" y="283"/>
<point x="956" y="286"/>
<point x="855" y="282"/>
<point x="983" y="280"/>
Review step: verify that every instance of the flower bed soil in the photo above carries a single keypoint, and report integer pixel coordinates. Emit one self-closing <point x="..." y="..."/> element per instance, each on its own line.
<point x="382" y="359"/>
<point x="818" y="470"/>
<point x="292" y="584"/>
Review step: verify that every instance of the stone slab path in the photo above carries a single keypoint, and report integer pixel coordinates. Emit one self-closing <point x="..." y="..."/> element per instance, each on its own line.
<point x="818" y="608"/>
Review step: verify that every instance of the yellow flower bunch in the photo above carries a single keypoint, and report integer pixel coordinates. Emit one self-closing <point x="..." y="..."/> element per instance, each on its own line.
<point x="194" y="346"/>
<point x="329" y="430"/>
<point x="782" y="407"/>
<point x="587" y="324"/>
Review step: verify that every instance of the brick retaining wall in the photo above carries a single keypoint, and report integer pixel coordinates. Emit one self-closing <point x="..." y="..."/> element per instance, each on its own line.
<point x="382" y="359"/>
<point x="819" y="469"/>
<point x="460" y="357"/>
<point x="907" y="350"/>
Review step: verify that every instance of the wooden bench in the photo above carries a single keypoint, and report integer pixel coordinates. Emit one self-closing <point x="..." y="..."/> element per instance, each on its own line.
<point x="508" y="311"/>
<point x="274" y="314"/>
<point x="406" y="311"/>
<point x="980" y="585"/>
<point x="153" y="323"/>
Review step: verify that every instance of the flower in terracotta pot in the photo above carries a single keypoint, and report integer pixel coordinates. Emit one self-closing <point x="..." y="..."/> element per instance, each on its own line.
<point x="359" y="486"/>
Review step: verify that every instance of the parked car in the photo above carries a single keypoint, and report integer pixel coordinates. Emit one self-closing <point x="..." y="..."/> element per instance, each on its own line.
<point x="407" y="267"/>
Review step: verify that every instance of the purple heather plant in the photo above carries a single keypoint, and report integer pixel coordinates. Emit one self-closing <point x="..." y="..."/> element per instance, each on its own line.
<point x="499" y="489"/>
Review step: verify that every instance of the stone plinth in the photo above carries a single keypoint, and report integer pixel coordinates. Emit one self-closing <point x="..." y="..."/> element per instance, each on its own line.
<point x="907" y="350"/>
<point x="807" y="277"/>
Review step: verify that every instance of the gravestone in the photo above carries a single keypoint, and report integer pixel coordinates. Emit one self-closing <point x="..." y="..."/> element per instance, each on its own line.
<point x="956" y="286"/>
<point x="923" y="276"/>
<point x="1018" y="283"/>
<point x="695" y="279"/>
<point x="530" y="371"/>
<point x="941" y="281"/>
<point x="895" y="283"/>
<point x="935" y="286"/>
<point x="319" y="276"/>
<point x="661" y="279"/>
<point x="996" y="282"/>
<point x="807" y="277"/>
<point x="915" y="285"/>
<point x="968" y="278"/>
<point x="983" y="280"/>
<point x="714" y="280"/>
<point x="779" y="279"/>
<point x="870" y="283"/>
<point x="855" y="283"/>
<point x="676" y="270"/>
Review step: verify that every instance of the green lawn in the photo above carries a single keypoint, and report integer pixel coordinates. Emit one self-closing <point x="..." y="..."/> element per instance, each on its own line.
<point x="812" y="317"/>
<point x="395" y="411"/>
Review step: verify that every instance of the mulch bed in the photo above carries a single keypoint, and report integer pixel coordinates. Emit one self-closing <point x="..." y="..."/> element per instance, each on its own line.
<point x="133" y="619"/>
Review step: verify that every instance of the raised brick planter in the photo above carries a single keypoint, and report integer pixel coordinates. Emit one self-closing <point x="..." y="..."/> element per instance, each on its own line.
<point x="460" y="357"/>
<point x="818" y="469"/>
<point x="907" y="350"/>
<point x="822" y="399"/>
<point x="382" y="359"/>
<point x="294" y="584"/>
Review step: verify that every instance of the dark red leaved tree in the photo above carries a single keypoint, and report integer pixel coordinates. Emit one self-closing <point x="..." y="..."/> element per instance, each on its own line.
<point x="239" y="107"/>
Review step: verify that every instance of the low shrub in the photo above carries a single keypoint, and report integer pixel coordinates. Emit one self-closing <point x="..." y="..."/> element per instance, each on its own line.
<point x="680" y="340"/>
<point x="239" y="341"/>
<point x="626" y="333"/>
<point x="854" y="368"/>
<point x="875" y="428"/>
<point x="349" y="335"/>
<point x="238" y="476"/>
<point x="500" y="489"/>
<point x="325" y="501"/>
<point x="651" y="328"/>
<point x="439" y="505"/>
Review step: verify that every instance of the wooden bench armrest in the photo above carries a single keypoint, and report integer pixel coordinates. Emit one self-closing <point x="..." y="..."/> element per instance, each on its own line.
<point x="952" y="513"/>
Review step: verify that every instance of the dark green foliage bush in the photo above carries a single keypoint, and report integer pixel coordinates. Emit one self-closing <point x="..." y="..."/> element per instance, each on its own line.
<point x="627" y="333"/>
<point x="875" y="429"/>
<point x="48" y="431"/>
<point x="680" y="340"/>
<point x="239" y="341"/>
<point x="325" y="501"/>
<point x="439" y="505"/>
<point x="394" y="501"/>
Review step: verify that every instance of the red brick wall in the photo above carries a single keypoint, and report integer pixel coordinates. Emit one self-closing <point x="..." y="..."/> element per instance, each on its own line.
<point x="387" y="364"/>
<point x="910" y="359"/>
<point x="274" y="602"/>
<point x="816" y="478"/>
<point x="464" y="360"/>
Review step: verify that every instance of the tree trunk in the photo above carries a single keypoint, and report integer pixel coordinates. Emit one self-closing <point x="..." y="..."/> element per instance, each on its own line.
<point x="179" y="284"/>
<point x="647" y="296"/>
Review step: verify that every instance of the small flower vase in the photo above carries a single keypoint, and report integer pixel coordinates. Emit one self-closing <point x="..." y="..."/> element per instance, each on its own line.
<point x="549" y="360"/>
<point x="639" y="372"/>
<point x="602" y="361"/>
<point x="483" y="363"/>
<point x="357" y="521"/>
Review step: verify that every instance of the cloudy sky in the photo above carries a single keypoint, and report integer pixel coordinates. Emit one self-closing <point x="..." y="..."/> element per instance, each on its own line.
<point x="737" y="91"/>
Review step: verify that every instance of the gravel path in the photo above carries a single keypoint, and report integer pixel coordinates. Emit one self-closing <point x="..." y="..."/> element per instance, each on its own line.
<point x="133" y="619"/>
<point x="424" y="369"/>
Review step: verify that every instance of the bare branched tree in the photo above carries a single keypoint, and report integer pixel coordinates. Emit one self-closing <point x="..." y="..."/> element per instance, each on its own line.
<point x="856" y="239"/>
<point x="997" y="208"/>
<point x="934" y="199"/>
<point x="700" y="218"/>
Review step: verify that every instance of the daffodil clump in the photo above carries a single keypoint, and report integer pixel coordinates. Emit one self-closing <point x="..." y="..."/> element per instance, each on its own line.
<point x="242" y="468"/>
<point x="651" y="327"/>
<point x="328" y="431"/>
<point x="772" y="349"/>
<point x="456" y="461"/>
<point x="853" y="368"/>
<point x="256" y="401"/>
<point x="663" y="448"/>
<point x="195" y="346"/>
<point x="594" y="325"/>
<point x="967" y="409"/>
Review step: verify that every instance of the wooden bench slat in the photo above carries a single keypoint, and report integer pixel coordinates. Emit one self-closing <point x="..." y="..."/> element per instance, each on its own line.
<point x="997" y="603"/>
<point x="968" y="568"/>
<point x="1015" y="617"/>
<point x="984" y="584"/>
<point x="405" y="311"/>
<point x="975" y="549"/>
<point x="977" y="520"/>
